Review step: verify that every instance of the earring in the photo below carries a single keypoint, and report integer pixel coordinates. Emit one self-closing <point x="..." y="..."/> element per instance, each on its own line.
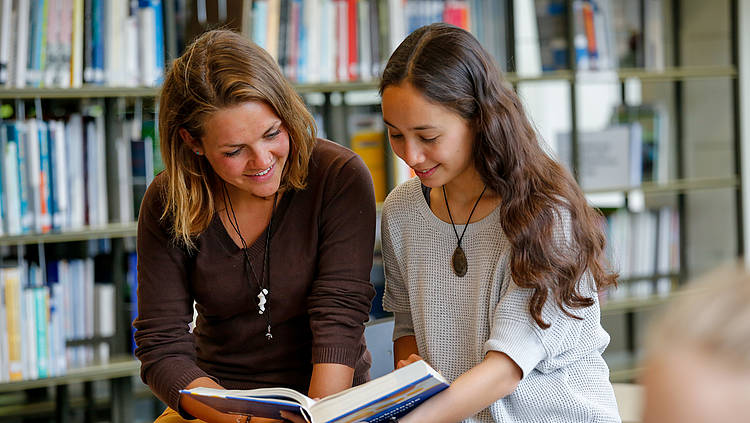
<point x="198" y="152"/>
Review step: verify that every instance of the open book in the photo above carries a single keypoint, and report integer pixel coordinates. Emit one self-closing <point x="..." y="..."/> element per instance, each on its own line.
<point x="379" y="400"/>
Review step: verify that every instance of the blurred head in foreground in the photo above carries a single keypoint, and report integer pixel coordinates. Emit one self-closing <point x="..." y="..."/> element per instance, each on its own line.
<point x="697" y="367"/>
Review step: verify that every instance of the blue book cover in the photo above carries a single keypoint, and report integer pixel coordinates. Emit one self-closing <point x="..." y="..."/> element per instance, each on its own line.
<point x="383" y="399"/>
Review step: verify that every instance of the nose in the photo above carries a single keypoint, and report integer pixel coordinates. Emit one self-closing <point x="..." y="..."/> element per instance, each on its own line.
<point x="412" y="154"/>
<point x="260" y="159"/>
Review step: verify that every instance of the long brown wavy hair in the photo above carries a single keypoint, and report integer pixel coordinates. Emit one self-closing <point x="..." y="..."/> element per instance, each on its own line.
<point x="450" y="68"/>
<point x="221" y="69"/>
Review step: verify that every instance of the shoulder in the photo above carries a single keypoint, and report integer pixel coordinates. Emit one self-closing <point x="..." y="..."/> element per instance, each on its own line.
<point x="331" y="161"/>
<point x="404" y="197"/>
<point x="154" y="200"/>
<point x="327" y="154"/>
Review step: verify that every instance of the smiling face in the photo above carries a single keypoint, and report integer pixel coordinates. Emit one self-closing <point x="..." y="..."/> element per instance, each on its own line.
<point x="433" y="140"/>
<point x="247" y="146"/>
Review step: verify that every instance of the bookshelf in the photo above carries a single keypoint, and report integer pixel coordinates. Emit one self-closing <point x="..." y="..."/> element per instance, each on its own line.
<point x="675" y="79"/>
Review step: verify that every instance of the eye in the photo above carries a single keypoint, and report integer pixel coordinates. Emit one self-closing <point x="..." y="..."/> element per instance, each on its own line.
<point x="395" y="135"/>
<point x="232" y="153"/>
<point x="273" y="134"/>
<point x="429" y="139"/>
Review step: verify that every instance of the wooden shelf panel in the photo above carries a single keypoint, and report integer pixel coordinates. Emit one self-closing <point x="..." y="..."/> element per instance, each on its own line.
<point x="114" y="230"/>
<point x="674" y="186"/>
<point x="668" y="74"/>
<point x="117" y="368"/>
<point x="634" y="304"/>
<point x="90" y="91"/>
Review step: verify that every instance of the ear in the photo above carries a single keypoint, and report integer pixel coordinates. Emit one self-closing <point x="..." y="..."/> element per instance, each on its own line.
<point x="190" y="141"/>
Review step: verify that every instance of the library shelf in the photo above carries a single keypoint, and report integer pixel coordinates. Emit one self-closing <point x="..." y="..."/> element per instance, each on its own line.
<point x="87" y="91"/>
<point x="667" y="74"/>
<point x="110" y="231"/>
<point x="641" y="303"/>
<point x="673" y="186"/>
<point x="118" y="367"/>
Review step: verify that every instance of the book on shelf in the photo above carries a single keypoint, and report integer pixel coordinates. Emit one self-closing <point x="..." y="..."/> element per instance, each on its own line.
<point x="383" y="399"/>
<point x="42" y="309"/>
<point x="644" y="247"/>
<point x="607" y="158"/>
<point x="65" y="174"/>
<point x="347" y="40"/>
<point x="64" y="43"/>
<point x="368" y="140"/>
<point x="653" y="120"/>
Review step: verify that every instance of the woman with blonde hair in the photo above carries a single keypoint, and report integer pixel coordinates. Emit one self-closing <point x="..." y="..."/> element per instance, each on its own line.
<point x="697" y="366"/>
<point x="266" y="229"/>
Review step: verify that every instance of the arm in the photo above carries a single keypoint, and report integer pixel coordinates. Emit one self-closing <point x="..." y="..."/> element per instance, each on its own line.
<point x="494" y="378"/>
<point x="329" y="378"/>
<point x="341" y="295"/>
<point x="396" y="298"/>
<point x="165" y="346"/>
<point x="405" y="351"/>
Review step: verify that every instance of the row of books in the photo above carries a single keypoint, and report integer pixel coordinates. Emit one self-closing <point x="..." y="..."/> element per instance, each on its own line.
<point x="41" y="310"/>
<point x="645" y="248"/>
<point x="348" y="40"/>
<point x="67" y="174"/>
<point x="607" y="34"/>
<point x="65" y="43"/>
<point x="633" y="150"/>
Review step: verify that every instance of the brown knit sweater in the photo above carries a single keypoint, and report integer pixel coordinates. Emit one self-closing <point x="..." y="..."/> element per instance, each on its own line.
<point x="320" y="294"/>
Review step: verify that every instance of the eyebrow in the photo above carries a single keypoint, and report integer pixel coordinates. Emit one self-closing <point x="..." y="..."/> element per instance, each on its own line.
<point x="416" y="128"/>
<point x="269" y="130"/>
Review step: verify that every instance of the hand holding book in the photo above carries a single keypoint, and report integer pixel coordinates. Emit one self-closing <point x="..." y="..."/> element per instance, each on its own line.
<point x="389" y="396"/>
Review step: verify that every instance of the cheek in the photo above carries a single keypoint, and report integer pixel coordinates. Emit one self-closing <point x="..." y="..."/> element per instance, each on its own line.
<point x="282" y="148"/>
<point x="228" y="166"/>
<point x="398" y="148"/>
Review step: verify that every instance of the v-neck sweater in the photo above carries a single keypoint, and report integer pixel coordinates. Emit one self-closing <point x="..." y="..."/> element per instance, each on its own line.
<point x="319" y="295"/>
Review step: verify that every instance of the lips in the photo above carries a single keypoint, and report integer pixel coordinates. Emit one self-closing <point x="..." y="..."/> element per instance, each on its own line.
<point x="263" y="172"/>
<point x="262" y="176"/>
<point x="426" y="172"/>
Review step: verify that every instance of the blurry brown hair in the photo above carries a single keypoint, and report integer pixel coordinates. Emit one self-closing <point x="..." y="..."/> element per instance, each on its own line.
<point x="539" y="196"/>
<point x="221" y="69"/>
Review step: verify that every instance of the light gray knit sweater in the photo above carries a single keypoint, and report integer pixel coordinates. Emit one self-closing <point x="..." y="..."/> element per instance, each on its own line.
<point x="456" y="321"/>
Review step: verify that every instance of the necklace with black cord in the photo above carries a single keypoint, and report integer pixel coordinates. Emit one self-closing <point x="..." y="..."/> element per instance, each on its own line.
<point x="460" y="264"/>
<point x="264" y="282"/>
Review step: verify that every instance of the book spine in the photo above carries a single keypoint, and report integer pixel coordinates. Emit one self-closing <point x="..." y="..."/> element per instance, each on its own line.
<point x="5" y="40"/>
<point x="12" y="281"/>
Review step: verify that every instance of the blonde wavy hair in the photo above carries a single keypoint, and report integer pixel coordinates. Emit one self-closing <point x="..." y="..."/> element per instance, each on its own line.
<point x="711" y="316"/>
<point x="221" y="69"/>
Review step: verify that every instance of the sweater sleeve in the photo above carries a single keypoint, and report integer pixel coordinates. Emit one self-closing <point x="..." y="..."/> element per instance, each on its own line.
<point x="396" y="295"/>
<point x="165" y="346"/>
<point x="515" y="332"/>
<point x="341" y="295"/>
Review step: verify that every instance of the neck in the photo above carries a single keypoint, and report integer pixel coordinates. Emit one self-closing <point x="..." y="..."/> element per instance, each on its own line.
<point x="244" y="202"/>
<point x="466" y="188"/>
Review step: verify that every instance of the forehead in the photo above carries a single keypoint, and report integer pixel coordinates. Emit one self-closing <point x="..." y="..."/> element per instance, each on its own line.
<point x="239" y="122"/>
<point x="404" y="105"/>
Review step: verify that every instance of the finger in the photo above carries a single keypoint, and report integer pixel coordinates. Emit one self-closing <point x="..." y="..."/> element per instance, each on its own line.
<point x="293" y="417"/>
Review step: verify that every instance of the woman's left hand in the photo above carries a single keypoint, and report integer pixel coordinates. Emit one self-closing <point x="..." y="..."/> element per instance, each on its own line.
<point x="411" y="359"/>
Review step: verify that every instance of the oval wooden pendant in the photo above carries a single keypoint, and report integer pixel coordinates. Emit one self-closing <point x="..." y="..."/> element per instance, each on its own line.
<point x="460" y="266"/>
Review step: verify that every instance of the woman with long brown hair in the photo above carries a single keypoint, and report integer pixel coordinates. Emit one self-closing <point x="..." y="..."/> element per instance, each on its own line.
<point x="268" y="230"/>
<point x="493" y="258"/>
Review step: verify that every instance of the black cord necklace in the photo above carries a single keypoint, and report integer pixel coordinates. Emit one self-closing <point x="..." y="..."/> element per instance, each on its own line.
<point x="264" y="277"/>
<point x="460" y="265"/>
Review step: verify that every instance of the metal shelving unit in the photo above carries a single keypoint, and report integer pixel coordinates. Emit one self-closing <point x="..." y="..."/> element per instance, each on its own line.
<point x="111" y="231"/>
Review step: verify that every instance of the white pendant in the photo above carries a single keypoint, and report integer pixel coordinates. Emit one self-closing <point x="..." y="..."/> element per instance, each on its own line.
<point x="262" y="301"/>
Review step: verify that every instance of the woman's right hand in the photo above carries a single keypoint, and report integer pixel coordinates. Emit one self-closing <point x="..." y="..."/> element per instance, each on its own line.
<point x="411" y="359"/>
